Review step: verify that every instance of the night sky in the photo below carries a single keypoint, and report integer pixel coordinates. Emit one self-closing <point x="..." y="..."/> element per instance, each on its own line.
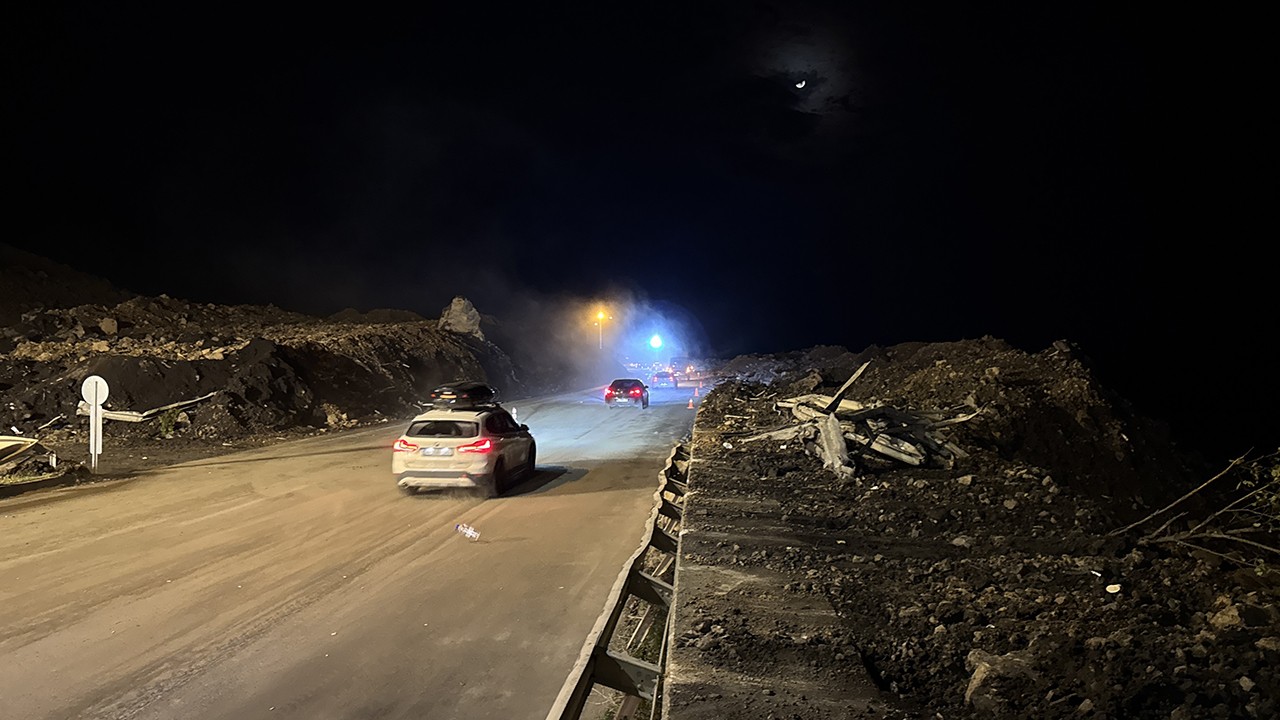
<point x="780" y="175"/>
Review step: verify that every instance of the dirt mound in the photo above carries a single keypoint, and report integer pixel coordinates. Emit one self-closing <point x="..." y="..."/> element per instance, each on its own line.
<point x="995" y="584"/>
<point x="248" y="370"/>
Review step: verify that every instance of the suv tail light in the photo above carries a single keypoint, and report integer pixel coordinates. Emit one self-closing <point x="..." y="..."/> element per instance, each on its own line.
<point x="608" y="393"/>
<point x="480" y="447"/>
<point x="635" y="392"/>
<point x="403" y="445"/>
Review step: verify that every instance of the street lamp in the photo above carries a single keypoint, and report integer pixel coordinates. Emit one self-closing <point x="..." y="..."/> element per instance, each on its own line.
<point x="600" y="327"/>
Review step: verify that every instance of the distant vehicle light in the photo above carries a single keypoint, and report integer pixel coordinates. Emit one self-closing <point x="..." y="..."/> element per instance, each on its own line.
<point x="479" y="447"/>
<point x="403" y="445"/>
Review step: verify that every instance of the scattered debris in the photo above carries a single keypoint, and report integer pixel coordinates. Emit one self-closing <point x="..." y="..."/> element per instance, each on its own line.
<point x="903" y="436"/>
<point x="972" y="562"/>
<point x="132" y="416"/>
<point x="25" y="459"/>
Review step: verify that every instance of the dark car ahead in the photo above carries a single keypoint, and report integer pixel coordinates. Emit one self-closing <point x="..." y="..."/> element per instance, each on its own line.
<point x="627" y="391"/>
<point x="665" y="379"/>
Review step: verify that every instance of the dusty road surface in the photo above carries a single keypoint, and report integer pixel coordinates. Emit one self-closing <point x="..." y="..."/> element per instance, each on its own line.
<point x="296" y="581"/>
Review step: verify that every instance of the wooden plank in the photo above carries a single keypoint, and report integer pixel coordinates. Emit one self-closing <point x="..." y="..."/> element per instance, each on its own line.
<point x="835" y="454"/>
<point x="886" y="448"/>
<point x="820" y="401"/>
<point x="897" y="448"/>
<point x="836" y="399"/>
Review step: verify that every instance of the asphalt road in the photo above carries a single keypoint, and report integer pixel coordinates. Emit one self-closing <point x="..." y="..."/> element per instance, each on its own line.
<point x="296" y="581"/>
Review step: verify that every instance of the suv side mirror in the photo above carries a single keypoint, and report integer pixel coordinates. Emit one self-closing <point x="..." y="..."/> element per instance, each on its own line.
<point x="524" y="427"/>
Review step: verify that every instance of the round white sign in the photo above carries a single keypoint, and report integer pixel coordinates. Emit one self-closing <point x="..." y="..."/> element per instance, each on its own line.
<point x="94" y="390"/>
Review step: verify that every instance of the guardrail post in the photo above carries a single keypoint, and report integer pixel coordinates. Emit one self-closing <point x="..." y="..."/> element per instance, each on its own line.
<point x="626" y="674"/>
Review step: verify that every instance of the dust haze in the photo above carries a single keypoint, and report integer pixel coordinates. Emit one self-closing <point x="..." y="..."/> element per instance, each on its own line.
<point x="560" y="343"/>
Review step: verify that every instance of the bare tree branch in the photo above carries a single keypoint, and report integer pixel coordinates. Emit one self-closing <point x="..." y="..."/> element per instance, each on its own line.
<point x="1182" y="540"/>
<point x="1171" y="505"/>
<point x="1229" y="506"/>
<point x="1154" y="533"/>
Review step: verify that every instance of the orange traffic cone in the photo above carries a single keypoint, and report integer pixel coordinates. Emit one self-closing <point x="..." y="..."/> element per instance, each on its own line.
<point x="690" y="403"/>
<point x="695" y="392"/>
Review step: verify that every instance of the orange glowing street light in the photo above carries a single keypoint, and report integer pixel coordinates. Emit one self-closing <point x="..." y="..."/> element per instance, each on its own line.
<point x="600" y="316"/>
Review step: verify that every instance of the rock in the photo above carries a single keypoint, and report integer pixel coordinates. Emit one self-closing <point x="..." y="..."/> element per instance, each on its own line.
<point x="334" y="417"/>
<point x="461" y="317"/>
<point x="985" y="668"/>
<point x="109" y="326"/>
<point x="1255" y="616"/>
<point x="1225" y="619"/>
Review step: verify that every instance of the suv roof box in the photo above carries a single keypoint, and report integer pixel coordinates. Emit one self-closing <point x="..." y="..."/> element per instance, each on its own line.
<point x="464" y="395"/>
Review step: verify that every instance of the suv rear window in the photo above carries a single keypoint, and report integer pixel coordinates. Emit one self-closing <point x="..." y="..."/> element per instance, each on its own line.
<point x="443" y="429"/>
<point x="500" y="423"/>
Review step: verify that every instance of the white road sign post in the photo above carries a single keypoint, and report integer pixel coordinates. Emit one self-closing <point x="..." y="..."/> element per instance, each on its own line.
<point x="94" y="391"/>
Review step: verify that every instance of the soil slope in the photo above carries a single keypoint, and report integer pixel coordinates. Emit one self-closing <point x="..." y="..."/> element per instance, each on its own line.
<point x="256" y="371"/>
<point x="996" y="583"/>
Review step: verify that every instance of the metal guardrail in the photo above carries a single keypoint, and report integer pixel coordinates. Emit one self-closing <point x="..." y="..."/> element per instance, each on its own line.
<point x="598" y="664"/>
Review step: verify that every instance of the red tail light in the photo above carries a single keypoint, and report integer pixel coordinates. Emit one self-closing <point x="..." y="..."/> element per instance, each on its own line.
<point x="635" y="391"/>
<point x="480" y="447"/>
<point x="608" y="393"/>
<point x="403" y="445"/>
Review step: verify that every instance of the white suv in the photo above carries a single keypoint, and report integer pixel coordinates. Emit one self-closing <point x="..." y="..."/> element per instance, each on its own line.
<point x="482" y="447"/>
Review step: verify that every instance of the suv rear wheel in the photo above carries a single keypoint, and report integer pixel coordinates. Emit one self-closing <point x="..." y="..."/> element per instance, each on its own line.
<point x="497" y="481"/>
<point x="531" y="466"/>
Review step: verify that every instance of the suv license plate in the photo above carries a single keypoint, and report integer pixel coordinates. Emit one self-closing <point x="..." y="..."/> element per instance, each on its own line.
<point x="437" y="452"/>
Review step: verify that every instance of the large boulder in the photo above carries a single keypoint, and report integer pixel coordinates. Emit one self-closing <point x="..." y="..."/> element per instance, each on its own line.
<point x="461" y="317"/>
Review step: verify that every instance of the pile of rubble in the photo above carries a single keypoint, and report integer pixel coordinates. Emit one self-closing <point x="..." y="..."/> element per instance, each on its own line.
<point x="1001" y="537"/>
<point x="182" y="371"/>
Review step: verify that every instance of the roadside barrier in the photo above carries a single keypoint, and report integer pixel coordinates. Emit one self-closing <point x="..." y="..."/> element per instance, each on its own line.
<point x="601" y="661"/>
